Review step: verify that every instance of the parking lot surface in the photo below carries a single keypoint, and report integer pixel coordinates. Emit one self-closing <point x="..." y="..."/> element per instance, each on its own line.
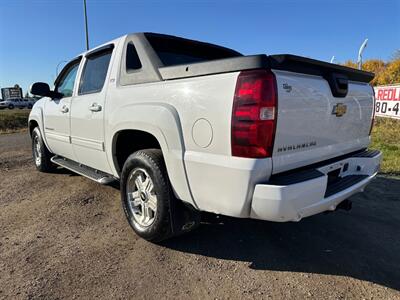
<point x="64" y="236"/>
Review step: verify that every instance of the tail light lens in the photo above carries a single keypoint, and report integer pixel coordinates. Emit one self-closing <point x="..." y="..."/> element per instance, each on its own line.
<point x="254" y="114"/>
<point x="373" y="111"/>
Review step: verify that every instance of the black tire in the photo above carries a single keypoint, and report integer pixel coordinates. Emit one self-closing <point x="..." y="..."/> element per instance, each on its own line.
<point x="11" y="106"/>
<point x="152" y="162"/>
<point x="42" y="161"/>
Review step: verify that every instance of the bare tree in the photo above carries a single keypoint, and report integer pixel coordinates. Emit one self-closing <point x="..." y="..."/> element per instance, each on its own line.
<point x="396" y="54"/>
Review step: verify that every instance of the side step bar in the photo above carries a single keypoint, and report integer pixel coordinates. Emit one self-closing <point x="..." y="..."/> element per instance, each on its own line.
<point x="96" y="175"/>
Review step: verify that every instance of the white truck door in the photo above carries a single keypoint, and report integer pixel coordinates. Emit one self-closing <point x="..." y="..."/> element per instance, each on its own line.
<point x="57" y="112"/>
<point x="87" y="111"/>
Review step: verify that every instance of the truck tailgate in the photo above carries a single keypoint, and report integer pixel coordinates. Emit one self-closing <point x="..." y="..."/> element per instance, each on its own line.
<point x="317" y="120"/>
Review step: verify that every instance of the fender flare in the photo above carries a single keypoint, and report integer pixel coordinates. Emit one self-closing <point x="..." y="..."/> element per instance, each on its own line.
<point x="36" y="115"/>
<point x="162" y="121"/>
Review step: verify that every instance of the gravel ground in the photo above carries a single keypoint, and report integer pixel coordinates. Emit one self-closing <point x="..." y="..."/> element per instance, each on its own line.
<point x="64" y="236"/>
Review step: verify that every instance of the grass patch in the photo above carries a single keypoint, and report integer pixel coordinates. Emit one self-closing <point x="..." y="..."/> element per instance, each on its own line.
<point x="386" y="137"/>
<point x="12" y="120"/>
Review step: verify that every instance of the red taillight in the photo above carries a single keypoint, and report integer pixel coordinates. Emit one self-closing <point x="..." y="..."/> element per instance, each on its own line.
<point x="254" y="114"/>
<point x="373" y="112"/>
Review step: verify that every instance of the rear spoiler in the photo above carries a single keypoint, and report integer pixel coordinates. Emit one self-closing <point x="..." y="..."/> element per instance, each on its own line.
<point x="286" y="62"/>
<point x="310" y="66"/>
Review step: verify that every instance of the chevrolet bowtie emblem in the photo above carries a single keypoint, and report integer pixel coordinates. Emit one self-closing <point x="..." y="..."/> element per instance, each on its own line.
<point x="339" y="109"/>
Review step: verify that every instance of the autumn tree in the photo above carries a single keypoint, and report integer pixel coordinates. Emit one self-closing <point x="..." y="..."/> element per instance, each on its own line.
<point x="385" y="73"/>
<point x="391" y="74"/>
<point x="350" y="64"/>
<point x="375" y="66"/>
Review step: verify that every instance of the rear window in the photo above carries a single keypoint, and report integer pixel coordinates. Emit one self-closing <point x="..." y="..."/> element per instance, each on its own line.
<point x="176" y="51"/>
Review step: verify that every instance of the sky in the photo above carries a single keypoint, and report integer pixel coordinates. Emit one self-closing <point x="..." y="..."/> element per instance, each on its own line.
<point x="37" y="36"/>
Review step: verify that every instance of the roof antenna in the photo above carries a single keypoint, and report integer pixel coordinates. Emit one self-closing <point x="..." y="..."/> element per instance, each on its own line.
<point x="359" y="60"/>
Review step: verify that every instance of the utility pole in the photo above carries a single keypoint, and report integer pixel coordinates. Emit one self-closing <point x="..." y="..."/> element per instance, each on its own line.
<point x="86" y="26"/>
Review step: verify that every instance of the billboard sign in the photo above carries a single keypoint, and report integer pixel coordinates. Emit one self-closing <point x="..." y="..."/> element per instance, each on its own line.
<point x="387" y="101"/>
<point x="11" y="92"/>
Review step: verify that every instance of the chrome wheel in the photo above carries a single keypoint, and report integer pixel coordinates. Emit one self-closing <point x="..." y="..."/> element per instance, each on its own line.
<point x="142" y="199"/>
<point x="36" y="150"/>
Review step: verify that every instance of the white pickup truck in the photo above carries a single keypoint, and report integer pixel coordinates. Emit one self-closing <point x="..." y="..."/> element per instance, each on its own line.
<point x="187" y="126"/>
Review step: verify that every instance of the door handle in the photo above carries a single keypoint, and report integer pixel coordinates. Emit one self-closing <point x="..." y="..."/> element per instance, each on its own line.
<point x="95" y="107"/>
<point x="64" y="109"/>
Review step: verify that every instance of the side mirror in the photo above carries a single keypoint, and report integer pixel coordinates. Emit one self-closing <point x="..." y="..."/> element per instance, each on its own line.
<point x="40" y="89"/>
<point x="43" y="89"/>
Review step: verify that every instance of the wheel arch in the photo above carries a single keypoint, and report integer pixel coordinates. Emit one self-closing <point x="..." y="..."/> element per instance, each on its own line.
<point x="36" y="118"/>
<point x="31" y="125"/>
<point x="128" y="141"/>
<point x="158" y="126"/>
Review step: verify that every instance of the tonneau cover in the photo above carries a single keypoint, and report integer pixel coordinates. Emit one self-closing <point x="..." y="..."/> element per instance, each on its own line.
<point x="286" y="62"/>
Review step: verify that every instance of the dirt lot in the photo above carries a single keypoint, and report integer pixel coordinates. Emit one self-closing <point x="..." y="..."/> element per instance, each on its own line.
<point x="64" y="236"/>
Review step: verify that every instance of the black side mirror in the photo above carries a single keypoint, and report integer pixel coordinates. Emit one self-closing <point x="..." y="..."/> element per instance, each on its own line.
<point x="40" y="89"/>
<point x="43" y="89"/>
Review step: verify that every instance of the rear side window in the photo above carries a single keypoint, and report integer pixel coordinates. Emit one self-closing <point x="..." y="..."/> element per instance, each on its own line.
<point x="94" y="73"/>
<point x="132" y="58"/>
<point x="176" y="51"/>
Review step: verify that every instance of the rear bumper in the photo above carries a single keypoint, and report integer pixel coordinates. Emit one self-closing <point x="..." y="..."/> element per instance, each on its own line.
<point x="298" y="195"/>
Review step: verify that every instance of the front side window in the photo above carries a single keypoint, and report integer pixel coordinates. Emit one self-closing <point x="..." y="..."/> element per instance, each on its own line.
<point x="95" y="72"/>
<point x="66" y="83"/>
